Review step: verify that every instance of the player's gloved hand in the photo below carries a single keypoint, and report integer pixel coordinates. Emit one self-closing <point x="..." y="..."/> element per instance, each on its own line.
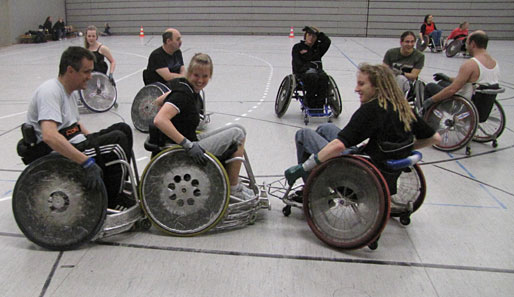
<point x="195" y="151"/>
<point x="441" y="76"/>
<point x="427" y="103"/>
<point x="297" y="171"/>
<point x="94" y="175"/>
<point x="111" y="79"/>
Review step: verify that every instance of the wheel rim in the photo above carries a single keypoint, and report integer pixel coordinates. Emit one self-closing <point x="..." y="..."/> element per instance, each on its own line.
<point x="493" y="127"/>
<point x="455" y="120"/>
<point x="411" y="188"/>
<point x="344" y="207"/>
<point x="284" y="96"/>
<point x="100" y="94"/>
<point x="143" y="111"/>
<point x="334" y="98"/>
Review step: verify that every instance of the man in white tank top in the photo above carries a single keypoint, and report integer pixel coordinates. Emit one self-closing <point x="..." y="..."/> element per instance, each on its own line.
<point x="481" y="69"/>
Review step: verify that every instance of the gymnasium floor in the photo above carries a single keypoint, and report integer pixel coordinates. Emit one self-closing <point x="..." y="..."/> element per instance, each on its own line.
<point x="460" y="242"/>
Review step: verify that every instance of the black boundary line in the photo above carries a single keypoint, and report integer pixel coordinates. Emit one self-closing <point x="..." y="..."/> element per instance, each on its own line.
<point x="10" y="130"/>
<point x="51" y="275"/>
<point x="467" y="157"/>
<point x="7" y="234"/>
<point x="310" y="258"/>
<point x="11" y="170"/>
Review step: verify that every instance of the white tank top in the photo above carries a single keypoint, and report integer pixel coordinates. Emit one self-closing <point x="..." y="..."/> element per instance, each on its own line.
<point x="485" y="76"/>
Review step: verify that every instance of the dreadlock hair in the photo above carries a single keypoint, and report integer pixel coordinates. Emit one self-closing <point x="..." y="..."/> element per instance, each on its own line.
<point x="387" y="90"/>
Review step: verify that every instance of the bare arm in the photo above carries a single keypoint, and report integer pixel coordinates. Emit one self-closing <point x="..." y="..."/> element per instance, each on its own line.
<point x="160" y="100"/>
<point x="59" y="143"/>
<point x="107" y="53"/>
<point x="413" y="75"/>
<point x="162" y="121"/>
<point x="167" y="75"/>
<point x="464" y="76"/>
<point x="331" y="150"/>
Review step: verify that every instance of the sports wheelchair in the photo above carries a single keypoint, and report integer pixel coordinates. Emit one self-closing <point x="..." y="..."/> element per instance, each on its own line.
<point x="143" y="109"/>
<point x="347" y="200"/>
<point x="427" y="41"/>
<point x="292" y="87"/>
<point x="100" y="94"/>
<point x="55" y="210"/>
<point x="455" y="46"/>
<point x="459" y="120"/>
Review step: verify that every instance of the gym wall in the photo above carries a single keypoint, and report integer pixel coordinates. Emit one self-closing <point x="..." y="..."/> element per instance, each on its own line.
<point x="377" y="18"/>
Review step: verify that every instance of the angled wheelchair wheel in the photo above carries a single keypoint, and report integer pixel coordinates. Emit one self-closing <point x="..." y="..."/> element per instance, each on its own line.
<point x="52" y="206"/>
<point x="456" y="121"/>
<point x="100" y="94"/>
<point x="411" y="191"/>
<point x="454" y="48"/>
<point x="419" y="95"/>
<point x="346" y="202"/>
<point x="143" y="111"/>
<point x="284" y="94"/>
<point x="334" y="97"/>
<point x="181" y="197"/>
<point x="421" y="44"/>
<point x="493" y="127"/>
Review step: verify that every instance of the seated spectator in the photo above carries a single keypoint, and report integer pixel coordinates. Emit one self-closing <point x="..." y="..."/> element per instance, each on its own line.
<point x="59" y="30"/>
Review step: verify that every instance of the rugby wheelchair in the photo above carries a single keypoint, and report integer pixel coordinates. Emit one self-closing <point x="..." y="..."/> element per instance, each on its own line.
<point x="143" y="109"/>
<point x="459" y="120"/>
<point x="100" y="94"/>
<point x="456" y="46"/>
<point x="292" y="87"/>
<point x="55" y="210"/>
<point x="427" y="41"/>
<point x="347" y="201"/>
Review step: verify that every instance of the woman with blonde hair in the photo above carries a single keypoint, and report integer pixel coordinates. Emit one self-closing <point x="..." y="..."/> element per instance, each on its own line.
<point x="179" y="118"/>
<point x="384" y="117"/>
<point x="100" y="51"/>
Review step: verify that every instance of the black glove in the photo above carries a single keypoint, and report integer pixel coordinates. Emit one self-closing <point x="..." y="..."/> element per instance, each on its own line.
<point x="195" y="151"/>
<point x="441" y="76"/>
<point x="94" y="175"/>
<point x="111" y="79"/>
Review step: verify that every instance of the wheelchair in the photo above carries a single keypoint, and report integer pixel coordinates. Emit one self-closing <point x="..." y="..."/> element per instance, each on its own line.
<point x="292" y="87"/>
<point x="347" y="201"/>
<point x="455" y="46"/>
<point x="100" y="94"/>
<point x="427" y="41"/>
<point x="459" y="120"/>
<point x="55" y="210"/>
<point x="143" y="109"/>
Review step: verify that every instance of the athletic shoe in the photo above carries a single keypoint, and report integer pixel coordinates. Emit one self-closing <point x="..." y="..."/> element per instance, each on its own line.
<point x="242" y="192"/>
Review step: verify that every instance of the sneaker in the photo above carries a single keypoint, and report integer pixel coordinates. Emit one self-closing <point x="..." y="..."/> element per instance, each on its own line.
<point x="297" y="196"/>
<point x="242" y="192"/>
<point x="122" y="202"/>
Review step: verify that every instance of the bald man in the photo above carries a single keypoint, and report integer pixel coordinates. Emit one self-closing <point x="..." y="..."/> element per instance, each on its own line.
<point x="166" y="63"/>
<point x="481" y="69"/>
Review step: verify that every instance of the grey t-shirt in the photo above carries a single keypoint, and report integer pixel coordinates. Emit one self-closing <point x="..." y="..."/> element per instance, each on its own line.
<point x="51" y="102"/>
<point x="393" y="58"/>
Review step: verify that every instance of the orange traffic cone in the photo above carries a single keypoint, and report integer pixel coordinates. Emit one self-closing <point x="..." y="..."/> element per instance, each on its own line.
<point x="291" y="33"/>
<point x="141" y="32"/>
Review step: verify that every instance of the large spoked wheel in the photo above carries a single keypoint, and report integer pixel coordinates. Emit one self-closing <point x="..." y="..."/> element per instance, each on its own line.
<point x="421" y="44"/>
<point x="456" y="121"/>
<point x="181" y="197"/>
<point x="493" y="127"/>
<point x="454" y="48"/>
<point x="100" y="94"/>
<point x="346" y="202"/>
<point x="52" y="206"/>
<point x="334" y="97"/>
<point x="284" y="94"/>
<point x="411" y="191"/>
<point x="143" y="110"/>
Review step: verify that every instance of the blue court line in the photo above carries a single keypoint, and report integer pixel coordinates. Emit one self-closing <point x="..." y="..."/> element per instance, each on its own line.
<point x="482" y="186"/>
<point x="460" y="205"/>
<point x="348" y="58"/>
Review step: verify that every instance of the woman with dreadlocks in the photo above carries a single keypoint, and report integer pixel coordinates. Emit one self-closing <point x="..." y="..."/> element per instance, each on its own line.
<point x="384" y="117"/>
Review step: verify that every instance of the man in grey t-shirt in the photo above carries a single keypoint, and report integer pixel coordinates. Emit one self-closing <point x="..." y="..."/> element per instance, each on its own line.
<point x="54" y="115"/>
<point x="405" y="61"/>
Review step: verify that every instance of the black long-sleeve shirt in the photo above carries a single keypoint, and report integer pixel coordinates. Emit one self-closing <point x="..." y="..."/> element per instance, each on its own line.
<point x="302" y="62"/>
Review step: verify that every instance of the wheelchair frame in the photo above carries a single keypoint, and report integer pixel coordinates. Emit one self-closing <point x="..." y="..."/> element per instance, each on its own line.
<point x="292" y="87"/>
<point x="427" y="41"/>
<point x="410" y="196"/>
<point x="458" y="120"/>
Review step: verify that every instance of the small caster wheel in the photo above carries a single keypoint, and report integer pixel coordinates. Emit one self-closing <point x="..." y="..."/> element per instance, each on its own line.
<point x="468" y="151"/>
<point x="144" y="224"/>
<point x="306" y="120"/>
<point x="405" y="220"/>
<point x="495" y="143"/>
<point x="286" y="210"/>
<point x="115" y="105"/>
<point x="374" y="245"/>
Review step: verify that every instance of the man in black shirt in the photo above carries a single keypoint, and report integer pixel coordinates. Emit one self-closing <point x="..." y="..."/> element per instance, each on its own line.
<point x="166" y="63"/>
<point x="308" y="67"/>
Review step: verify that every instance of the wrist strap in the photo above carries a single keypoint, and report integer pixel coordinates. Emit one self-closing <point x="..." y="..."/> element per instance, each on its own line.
<point x="88" y="163"/>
